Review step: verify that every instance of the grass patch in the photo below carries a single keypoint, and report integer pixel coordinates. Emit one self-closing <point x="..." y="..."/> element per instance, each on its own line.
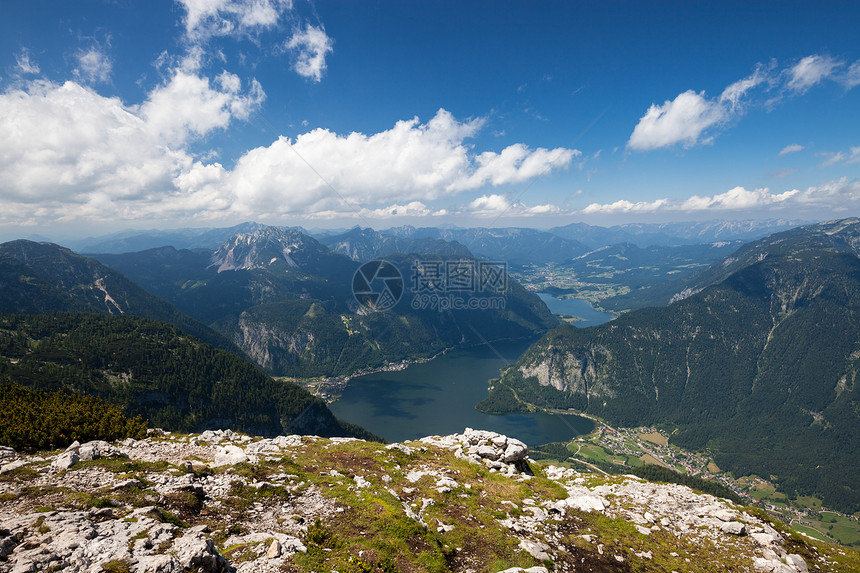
<point x="120" y="465"/>
<point x="116" y="566"/>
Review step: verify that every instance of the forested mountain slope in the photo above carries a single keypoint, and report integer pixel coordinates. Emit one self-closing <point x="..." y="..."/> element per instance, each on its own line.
<point x="43" y="277"/>
<point x="156" y="371"/>
<point x="760" y="367"/>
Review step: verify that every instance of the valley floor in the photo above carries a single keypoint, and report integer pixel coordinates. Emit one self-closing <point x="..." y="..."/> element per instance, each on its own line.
<point x="631" y="447"/>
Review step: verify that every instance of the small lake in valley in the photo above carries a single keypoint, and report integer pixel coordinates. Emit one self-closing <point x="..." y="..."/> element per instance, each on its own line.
<point x="439" y="397"/>
<point x="580" y="308"/>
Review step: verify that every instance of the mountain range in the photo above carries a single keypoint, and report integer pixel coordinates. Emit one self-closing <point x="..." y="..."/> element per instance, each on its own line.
<point x="287" y="301"/>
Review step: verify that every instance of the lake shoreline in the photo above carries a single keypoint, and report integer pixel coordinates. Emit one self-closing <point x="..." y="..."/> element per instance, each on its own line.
<point x="438" y="397"/>
<point x="330" y="389"/>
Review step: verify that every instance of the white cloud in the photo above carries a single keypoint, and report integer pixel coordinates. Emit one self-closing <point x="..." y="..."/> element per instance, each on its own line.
<point x="25" y="65"/>
<point x="733" y="199"/>
<point x="208" y="18"/>
<point x="685" y="119"/>
<point x="188" y="106"/>
<point x="309" y="49"/>
<point x="793" y="148"/>
<point x="851" y="79"/>
<point x="841" y="157"/>
<point x="411" y="160"/>
<point x="68" y="153"/>
<point x="495" y="205"/>
<point x="835" y="196"/>
<point x="66" y="142"/>
<point x="624" y="206"/>
<point x="682" y="120"/>
<point x="94" y="66"/>
<point x="810" y="71"/>
<point x="692" y="118"/>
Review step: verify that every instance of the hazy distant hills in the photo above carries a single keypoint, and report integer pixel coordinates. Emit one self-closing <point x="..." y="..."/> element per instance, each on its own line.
<point x="760" y="367"/>
<point x="286" y="300"/>
<point x="364" y="245"/>
<point x="667" y="234"/>
<point x="43" y="277"/>
<point x="513" y="245"/>
<point x="129" y="241"/>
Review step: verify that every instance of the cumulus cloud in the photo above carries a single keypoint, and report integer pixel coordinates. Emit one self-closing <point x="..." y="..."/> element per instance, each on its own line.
<point x="321" y="169"/>
<point x="495" y="205"/>
<point x="94" y="66"/>
<point x="685" y="119"/>
<point x="309" y="48"/>
<point x="205" y="19"/>
<point x="810" y="71"/>
<point x="68" y="152"/>
<point x="188" y="105"/>
<point x="692" y="118"/>
<point x="793" y="148"/>
<point x="682" y="120"/>
<point x="834" y="195"/>
<point x="64" y="142"/>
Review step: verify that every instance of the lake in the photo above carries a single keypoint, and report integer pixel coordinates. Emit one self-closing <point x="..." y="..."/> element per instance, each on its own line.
<point x="438" y="397"/>
<point x="577" y="307"/>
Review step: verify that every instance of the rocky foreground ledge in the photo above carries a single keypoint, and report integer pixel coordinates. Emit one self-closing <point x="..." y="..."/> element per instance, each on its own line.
<point x="220" y="501"/>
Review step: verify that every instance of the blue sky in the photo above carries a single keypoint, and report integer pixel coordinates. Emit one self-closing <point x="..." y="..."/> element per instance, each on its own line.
<point x="127" y="114"/>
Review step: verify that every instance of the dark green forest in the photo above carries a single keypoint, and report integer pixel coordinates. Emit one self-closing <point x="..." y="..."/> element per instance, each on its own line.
<point x="42" y="420"/>
<point x="155" y="371"/>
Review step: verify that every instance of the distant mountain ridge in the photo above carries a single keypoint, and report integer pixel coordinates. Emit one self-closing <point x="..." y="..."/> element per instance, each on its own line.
<point x="514" y="245"/>
<point x="667" y="234"/>
<point x="841" y="236"/>
<point x="131" y="241"/>
<point x="364" y="245"/>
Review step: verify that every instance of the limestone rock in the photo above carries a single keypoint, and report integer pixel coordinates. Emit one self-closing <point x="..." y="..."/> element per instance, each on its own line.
<point x="65" y="460"/>
<point x="733" y="528"/>
<point x="274" y="550"/>
<point x="536" y="550"/>
<point x="229" y="456"/>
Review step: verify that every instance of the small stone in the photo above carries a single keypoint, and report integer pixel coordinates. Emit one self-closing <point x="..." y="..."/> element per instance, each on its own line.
<point x="274" y="550"/>
<point x="798" y="562"/>
<point x="536" y="550"/>
<point x="733" y="528"/>
<point x="65" y="460"/>
<point x="488" y="452"/>
<point x="229" y="456"/>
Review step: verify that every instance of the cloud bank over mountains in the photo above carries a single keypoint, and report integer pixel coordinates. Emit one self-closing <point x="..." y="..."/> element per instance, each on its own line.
<point x="70" y="153"/>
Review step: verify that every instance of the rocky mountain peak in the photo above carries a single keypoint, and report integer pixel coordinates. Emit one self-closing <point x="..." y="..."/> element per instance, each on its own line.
<point x="266" y="247"/>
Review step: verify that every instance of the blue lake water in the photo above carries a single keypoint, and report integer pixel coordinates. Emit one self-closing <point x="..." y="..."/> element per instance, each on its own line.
<point x="576" y="307"/>
<point x="439" y="397"/>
